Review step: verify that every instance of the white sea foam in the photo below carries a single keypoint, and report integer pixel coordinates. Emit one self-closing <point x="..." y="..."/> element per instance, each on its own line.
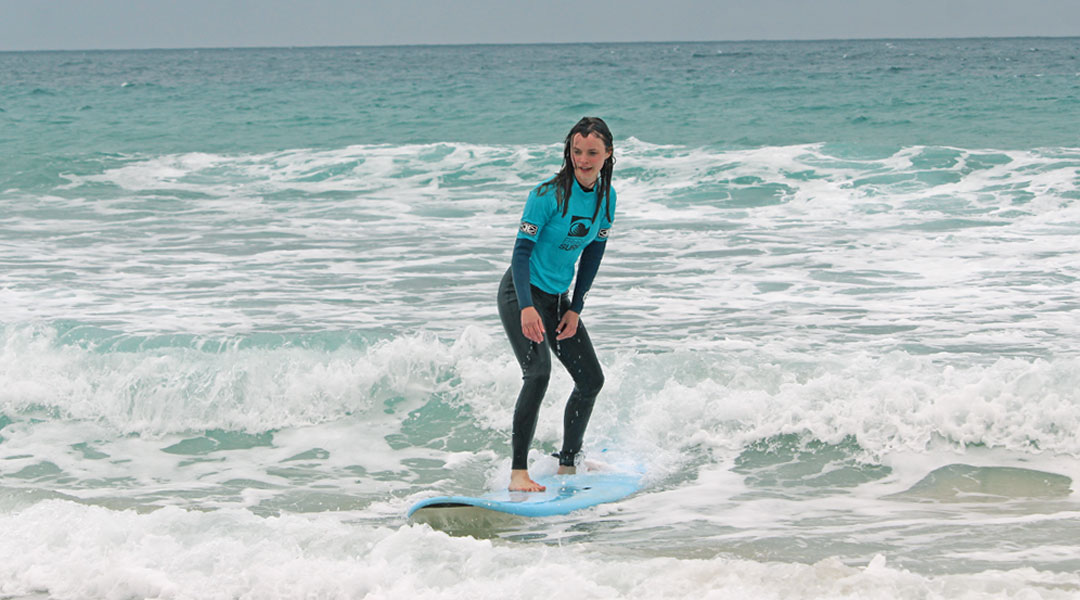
<point x="375" y="428"/>
<point x="274" y="336"/>
<point x="182" y="388"/>
<point x="70" y="551"/>
<point x="944" y="248"/>
<point x="724" y="398"/>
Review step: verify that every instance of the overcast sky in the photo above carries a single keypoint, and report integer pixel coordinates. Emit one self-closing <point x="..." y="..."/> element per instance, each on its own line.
<point x="98" y="24"/>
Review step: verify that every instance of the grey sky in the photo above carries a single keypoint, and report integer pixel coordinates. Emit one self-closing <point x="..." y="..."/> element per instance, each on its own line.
<point x="95" y="24"/>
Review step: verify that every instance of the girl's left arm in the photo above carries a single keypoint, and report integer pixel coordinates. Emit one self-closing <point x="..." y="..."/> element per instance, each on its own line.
<point x="588" y="265"/>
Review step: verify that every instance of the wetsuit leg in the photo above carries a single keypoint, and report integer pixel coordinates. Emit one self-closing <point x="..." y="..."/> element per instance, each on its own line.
<point x="577" y="355"/>
<point x="535" y="362"/>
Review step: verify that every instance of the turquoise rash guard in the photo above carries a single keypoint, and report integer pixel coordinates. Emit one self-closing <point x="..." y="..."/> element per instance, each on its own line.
<point x="550" y="241"/>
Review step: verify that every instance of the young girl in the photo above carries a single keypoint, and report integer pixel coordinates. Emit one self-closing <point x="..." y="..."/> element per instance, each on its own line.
<point x="566" y="218"/>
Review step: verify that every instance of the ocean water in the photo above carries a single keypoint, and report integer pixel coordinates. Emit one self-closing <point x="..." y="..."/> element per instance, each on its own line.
<point x="247" y="318"/>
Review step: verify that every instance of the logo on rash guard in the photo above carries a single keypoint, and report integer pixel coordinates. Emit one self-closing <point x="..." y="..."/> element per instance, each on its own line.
<point x="603" y="233"/>
<point x="528" y="228"/>
<point x="579" y="227"/>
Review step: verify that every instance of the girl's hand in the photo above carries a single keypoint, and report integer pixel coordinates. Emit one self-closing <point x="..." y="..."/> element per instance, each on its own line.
<point x="567" y="326"/>
<point x="532" y="326"/>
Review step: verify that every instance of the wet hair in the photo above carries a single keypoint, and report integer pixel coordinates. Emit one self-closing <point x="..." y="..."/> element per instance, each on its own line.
<point x="564" y="179"/>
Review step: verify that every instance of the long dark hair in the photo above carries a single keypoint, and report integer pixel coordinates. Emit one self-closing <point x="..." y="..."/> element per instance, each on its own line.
<point x="564" y="180"/>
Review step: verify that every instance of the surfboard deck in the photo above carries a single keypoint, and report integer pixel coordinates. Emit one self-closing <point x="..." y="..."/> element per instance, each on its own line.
<point x="564" y="494"/>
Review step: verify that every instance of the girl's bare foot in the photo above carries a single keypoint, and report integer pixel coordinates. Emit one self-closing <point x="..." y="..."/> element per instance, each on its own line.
<point x="521" y="482"/>
<point x="567" y="470"/>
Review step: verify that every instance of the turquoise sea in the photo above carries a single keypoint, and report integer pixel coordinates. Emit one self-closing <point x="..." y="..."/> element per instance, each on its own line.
<point x="247" y="318"/>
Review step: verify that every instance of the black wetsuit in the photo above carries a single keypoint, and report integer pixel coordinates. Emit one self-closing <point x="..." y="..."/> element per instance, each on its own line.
<point x="575" y="353"/>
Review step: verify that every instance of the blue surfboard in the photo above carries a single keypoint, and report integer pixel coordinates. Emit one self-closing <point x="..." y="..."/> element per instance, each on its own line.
<point x="564" y="494"/>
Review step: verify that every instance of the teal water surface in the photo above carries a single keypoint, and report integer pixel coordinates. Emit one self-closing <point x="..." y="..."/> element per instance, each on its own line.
<point x="247" y="319"/>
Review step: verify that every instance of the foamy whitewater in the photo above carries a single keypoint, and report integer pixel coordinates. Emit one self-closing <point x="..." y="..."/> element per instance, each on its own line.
<point x="247" y="318"/>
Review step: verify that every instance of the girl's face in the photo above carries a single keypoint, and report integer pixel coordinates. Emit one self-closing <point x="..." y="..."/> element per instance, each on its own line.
<point x="589" y="154"/>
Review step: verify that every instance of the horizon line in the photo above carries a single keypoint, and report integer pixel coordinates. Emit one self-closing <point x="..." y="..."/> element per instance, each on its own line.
<point x="609" y="43"/>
